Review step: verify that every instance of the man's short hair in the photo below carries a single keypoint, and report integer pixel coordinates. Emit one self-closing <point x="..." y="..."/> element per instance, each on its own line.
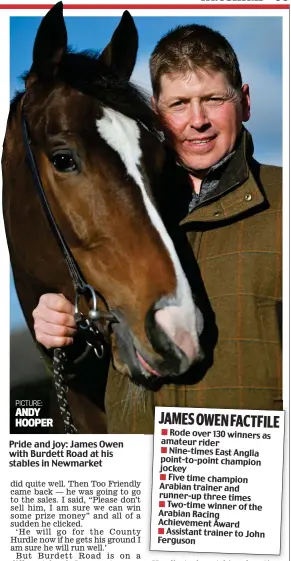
<point x="192" y="47"/>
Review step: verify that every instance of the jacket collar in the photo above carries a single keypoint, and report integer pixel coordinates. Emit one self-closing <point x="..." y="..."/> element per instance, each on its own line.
<point x="237" y="191"/>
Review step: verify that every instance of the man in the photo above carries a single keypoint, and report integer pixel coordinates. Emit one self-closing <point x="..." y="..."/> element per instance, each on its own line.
<point x="229" y="207"/>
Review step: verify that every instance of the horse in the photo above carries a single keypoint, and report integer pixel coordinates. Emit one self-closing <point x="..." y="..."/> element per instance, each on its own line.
<point x="96" y="154"/>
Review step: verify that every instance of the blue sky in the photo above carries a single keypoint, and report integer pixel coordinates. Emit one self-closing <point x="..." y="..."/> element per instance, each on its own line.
<point x="256" y="40"/>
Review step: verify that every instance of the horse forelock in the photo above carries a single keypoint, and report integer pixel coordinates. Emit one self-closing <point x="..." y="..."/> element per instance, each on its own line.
<point x="85" y="72"/>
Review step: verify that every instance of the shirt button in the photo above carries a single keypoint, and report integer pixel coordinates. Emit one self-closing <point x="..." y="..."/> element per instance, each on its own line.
<point x="217" y="213"/>
<point x="248" y="197"/>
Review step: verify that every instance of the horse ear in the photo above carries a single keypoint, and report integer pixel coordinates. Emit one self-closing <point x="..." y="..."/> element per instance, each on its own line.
<point x="120" y="53"/>
<point x="49" y="46"/>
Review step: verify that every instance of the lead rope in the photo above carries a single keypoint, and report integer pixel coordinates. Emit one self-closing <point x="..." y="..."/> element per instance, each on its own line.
<point x="60" y="365"/>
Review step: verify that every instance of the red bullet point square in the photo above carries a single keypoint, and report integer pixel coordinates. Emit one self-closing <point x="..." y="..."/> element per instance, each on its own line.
<point x="161" y="530"/>
<point x="163" y="476"/>
<point x="164" y="431"/>
<point x="162" y="503"/>
<point x="164" y="450"/>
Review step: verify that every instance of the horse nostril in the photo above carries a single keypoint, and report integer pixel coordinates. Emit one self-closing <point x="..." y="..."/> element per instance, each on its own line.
<point x="199" y="321"/>
<point x="170" y="321"/>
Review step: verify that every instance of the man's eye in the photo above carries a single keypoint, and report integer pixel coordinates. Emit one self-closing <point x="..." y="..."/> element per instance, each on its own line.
<point x="178" y="103"/>
<point x="214" y="99"/>
<point x="64" y="162"/>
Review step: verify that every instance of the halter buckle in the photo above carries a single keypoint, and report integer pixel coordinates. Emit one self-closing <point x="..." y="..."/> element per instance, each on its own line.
<point x="93" y="313"/>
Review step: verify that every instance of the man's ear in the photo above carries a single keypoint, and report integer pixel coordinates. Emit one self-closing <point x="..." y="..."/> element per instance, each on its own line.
<point x="246" y="102"/>
<point x="154" y="104"/>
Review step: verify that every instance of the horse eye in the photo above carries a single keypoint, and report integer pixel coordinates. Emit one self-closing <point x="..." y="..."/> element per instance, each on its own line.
<point x="64" y="162"/>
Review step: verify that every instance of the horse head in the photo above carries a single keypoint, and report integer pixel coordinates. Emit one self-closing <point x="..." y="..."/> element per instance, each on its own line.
<point x="99" y="158"/>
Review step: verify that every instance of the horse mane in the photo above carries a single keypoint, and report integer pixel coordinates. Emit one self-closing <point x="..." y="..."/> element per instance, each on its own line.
<point x="85" y="72"/>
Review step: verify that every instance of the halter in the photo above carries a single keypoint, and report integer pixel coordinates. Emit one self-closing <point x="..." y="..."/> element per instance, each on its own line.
<point x="87" y="326"/>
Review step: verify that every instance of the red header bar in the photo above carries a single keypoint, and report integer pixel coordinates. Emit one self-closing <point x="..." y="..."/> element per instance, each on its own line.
<point x="148" y="6"/>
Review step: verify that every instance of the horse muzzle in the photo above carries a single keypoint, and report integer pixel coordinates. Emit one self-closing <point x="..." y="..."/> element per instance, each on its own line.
<point x="174" y="347"/>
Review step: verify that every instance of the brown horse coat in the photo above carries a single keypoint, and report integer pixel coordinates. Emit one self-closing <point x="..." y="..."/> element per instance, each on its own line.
<point x="97" y="151"/>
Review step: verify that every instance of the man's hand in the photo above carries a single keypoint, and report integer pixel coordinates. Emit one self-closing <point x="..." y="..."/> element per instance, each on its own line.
<point x="54" y="323"/>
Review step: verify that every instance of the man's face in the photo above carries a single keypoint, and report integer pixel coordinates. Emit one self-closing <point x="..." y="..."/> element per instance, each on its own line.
<point x="202" y="115"/>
